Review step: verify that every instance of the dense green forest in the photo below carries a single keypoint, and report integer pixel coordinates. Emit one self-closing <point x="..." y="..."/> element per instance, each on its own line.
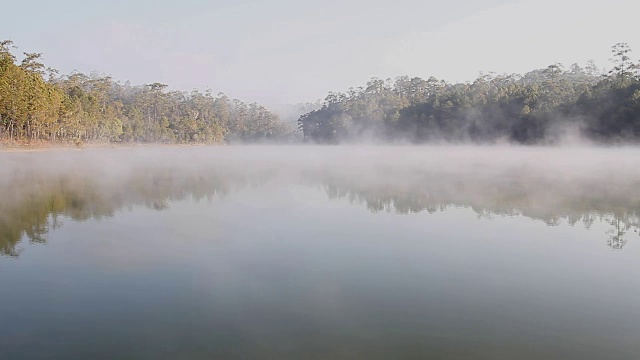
<point x="38" y="104"/>
<point x="542" y="106"/>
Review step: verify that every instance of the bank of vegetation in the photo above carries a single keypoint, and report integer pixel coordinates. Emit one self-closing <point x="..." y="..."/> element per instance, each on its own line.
<point x="542" y="106"/>
<point x="39" y="105"/>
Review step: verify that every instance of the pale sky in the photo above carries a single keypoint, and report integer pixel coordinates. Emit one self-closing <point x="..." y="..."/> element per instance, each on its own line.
<point x="289" y="51"/>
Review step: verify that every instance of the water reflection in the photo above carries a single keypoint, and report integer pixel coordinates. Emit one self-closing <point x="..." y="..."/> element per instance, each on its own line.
<point x="36" y="201"/>
<point x="512" y="194"/>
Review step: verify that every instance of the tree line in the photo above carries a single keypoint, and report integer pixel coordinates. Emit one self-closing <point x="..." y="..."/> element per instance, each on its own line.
<point x="541" y="106"/>
<point x="38" y="104"/>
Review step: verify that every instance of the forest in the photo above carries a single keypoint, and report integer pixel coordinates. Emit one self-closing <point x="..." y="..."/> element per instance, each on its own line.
<point x="36" y="104"/>
<point x="544" y="106"/>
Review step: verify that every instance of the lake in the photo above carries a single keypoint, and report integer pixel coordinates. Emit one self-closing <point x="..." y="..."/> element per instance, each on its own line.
<point x="313" y="252"/>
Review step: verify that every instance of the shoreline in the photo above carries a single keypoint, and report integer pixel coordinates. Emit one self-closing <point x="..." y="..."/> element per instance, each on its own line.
<point x="41" y="147"/>
<point x="6" y="147"/>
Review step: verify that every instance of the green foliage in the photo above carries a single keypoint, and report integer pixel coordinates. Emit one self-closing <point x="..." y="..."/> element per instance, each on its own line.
<point x="95" y="108"/>
<point x="530" y="108"/>
<point x="36" y="104"/>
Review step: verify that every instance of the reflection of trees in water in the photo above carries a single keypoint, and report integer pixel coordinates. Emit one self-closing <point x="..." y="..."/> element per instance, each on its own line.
<point x="619" y="228"/>
<point x="36" y="202"/>
<point x="511" y="195"/>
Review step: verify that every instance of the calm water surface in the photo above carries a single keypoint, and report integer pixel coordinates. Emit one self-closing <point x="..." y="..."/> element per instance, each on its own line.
<point x="320" y="253"/>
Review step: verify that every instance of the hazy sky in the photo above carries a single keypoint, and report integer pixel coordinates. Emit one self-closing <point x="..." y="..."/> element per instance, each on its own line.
<point x="286" y="51"/>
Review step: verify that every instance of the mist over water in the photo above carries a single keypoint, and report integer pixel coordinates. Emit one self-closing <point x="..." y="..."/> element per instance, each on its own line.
<point x="319" y="252"/>
<point x="534" y="181"/>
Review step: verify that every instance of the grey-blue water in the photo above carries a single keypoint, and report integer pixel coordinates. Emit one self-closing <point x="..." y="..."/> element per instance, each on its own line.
<point x="320" y="253"/>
